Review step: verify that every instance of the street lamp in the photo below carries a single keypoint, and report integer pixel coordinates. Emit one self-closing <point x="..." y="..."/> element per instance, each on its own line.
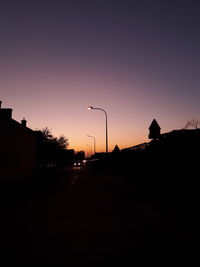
<point x="90" y="107"/>
<point x="94" y="142"/>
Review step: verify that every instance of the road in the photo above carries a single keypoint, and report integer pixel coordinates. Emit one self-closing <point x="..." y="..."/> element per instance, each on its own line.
<point x="76" y="218"/>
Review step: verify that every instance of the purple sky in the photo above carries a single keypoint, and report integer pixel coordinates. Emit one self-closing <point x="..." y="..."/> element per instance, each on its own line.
<point x="138" y="60"/>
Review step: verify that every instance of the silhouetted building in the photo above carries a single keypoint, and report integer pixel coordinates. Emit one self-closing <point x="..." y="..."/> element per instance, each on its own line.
<point x="70" y="154"/>
<point x="183" y="140"/>
<point x="99" y="155"/>
<point x="154" y="130"/>
<point x="80" y="155"/>
<point x="116" y="150"/>
<point x="136" y="147"/>
<point x="18" y="147"/>
<point x="177" y="147"/>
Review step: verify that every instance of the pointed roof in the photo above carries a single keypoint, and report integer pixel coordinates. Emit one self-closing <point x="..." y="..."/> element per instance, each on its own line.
<point x="116" y="149"/>
<point x="154" y="125"/>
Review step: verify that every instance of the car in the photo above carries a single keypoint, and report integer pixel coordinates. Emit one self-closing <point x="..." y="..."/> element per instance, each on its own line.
<point x="78" y="163"/>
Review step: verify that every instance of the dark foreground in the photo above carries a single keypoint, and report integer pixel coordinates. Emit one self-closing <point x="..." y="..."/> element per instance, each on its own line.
<point x="89" y="217"/>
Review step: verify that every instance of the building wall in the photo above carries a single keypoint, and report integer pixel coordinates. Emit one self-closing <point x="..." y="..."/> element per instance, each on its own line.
<point x="17" y="150"/>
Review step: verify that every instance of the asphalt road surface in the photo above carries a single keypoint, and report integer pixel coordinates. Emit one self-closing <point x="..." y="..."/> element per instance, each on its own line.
<point x="76" y="217"/>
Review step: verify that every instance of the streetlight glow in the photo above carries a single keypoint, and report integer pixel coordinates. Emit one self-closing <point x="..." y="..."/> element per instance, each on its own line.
<point x="90" y="107"/>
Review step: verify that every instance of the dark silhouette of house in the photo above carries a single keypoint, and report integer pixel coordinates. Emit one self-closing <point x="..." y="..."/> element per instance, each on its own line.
<point x="176" y="148"/>
<point x="183" y="140"/>
<point x="18" y="147"/>
<point x="116" y="150"/>
<point x="154" y="130"/>
<point x="140" y="147"/>
<point x="173" y="143"/>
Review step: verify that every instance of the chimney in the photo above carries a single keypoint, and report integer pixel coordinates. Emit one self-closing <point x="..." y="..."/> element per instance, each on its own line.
<point x="23" y="122"/>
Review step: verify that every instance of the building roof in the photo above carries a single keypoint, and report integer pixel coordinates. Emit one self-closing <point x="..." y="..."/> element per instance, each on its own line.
<point x="154" y="125"/>
<point x="136" y="147"/>
<point x="7" y="120"/>
<point x="181" y="132"/>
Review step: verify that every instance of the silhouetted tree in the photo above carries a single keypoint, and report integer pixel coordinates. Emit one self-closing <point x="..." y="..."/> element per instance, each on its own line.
<point x="62" y="142"/>
<point x="51" y="150"/>
<point x="46" y="133"/>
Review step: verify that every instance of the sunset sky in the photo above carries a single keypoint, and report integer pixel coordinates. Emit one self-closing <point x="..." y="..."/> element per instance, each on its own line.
<point x="138" y="60"/>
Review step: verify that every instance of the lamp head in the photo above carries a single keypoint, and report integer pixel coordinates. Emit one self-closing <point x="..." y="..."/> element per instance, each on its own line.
<point x="90" y="107"/>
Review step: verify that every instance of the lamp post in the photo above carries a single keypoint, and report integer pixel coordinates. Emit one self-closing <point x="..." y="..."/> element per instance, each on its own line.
<point x="94" y="142"/>
<point x="90" y="107"/>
